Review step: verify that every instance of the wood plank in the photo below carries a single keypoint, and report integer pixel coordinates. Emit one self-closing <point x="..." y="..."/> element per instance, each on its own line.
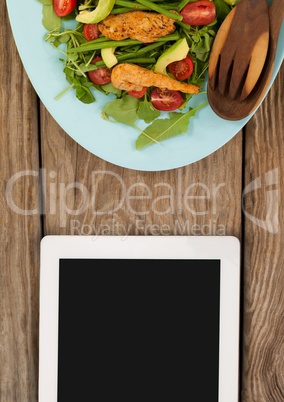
<point x="263" y="350"/>
<point x="20" y="233"/>
<point x="85" y="195"/>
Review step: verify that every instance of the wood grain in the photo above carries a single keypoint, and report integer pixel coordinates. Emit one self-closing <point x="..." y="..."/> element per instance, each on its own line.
<point x="100" y="198"/>
<point x="20" y="232"/>
<point x="263" y="325"/>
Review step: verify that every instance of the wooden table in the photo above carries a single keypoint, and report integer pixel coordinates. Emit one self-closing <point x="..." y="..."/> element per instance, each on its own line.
<point x="238" y="190"/>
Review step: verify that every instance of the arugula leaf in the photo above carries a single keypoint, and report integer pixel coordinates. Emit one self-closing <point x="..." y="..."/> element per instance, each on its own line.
<point x="46" y="2"/>
<point x="111" y="89"/>
<point x="162" y="129"/>
<point x="222" y="10"/>
<point x="123" y="110"/>
<point x="84" y="94"/>
<point x="201" y="40"/>
<point x="50" y="20"/>
<point x="81" y="84"/>
<point x="64" y="38"/>
<point x="147" y="112"/>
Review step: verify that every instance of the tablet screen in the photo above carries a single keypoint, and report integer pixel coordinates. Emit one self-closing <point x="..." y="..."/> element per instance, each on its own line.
<point x="138" y="333"/>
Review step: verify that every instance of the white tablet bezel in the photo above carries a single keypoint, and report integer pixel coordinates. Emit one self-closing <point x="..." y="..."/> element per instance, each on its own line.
<point x="224" y="248"/>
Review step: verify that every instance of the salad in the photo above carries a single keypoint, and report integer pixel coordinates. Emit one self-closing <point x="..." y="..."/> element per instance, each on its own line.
<point x="150" y="57"/>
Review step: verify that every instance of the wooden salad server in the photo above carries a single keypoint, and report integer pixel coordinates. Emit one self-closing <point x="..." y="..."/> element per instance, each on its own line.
<point x="242" y="58"/>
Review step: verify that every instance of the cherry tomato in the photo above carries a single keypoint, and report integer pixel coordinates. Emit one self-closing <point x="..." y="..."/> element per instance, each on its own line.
<point x="166" y="99"/>
<point x="64" y="7"/>
<point x="101" y="75"/>
<point x="138" y="94"/>
<point x="201" y="12"/>
<point x="181" y="69"/>
<point x="91" y="31"/>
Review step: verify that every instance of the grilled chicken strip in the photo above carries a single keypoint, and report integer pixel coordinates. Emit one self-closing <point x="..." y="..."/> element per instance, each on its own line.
<point x="131" y="77"/>
<point x="144" y="26"/>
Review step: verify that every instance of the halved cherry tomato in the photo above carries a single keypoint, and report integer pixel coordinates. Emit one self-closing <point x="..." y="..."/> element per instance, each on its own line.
<point x="166" y="99"/>
<point x="101" y="75"/>
<point x="138" y="94"/>
<point x="201" y="12"/>
<point x="64" y="7"/>
<point x="181" y="69"/>
<point x="91" y="31"/>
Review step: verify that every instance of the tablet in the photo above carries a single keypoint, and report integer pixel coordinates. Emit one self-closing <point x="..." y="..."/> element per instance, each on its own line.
<point x="139" y="318"/>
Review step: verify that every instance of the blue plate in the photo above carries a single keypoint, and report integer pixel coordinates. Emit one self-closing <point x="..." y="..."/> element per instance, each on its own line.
<point x="113" y="142"/>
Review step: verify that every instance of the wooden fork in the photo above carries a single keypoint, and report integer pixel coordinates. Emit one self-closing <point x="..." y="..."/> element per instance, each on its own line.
<point x="239" y="49"/>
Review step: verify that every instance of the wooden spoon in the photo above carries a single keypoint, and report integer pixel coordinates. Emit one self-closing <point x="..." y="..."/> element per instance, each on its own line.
<point x="236" y="109"/>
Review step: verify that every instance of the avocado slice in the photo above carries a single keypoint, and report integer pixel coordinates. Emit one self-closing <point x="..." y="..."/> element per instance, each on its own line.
<point x="108" y="56"/>
<point x="176" y="52"/>
<point x="102" y="10"/>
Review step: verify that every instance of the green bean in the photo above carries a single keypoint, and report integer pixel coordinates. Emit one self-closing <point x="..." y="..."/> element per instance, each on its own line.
<point x="123" y="10"/>
<point x="127" y="6"/>
<point x="140" y="52"/>
<point x="140" y="60"/>
<point x="94" y="45"/>
<point x="184" y="26"/>
<point x="161" y="10"/>
<point x="130" y="4"/>
<point x="183" y="3"/>
<point x="147" y="49"/>
<point x="101" y="63"/>
<point x="172" y="6"/>
<point x="99" y="40"/>
<point x="134" y="6"/>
